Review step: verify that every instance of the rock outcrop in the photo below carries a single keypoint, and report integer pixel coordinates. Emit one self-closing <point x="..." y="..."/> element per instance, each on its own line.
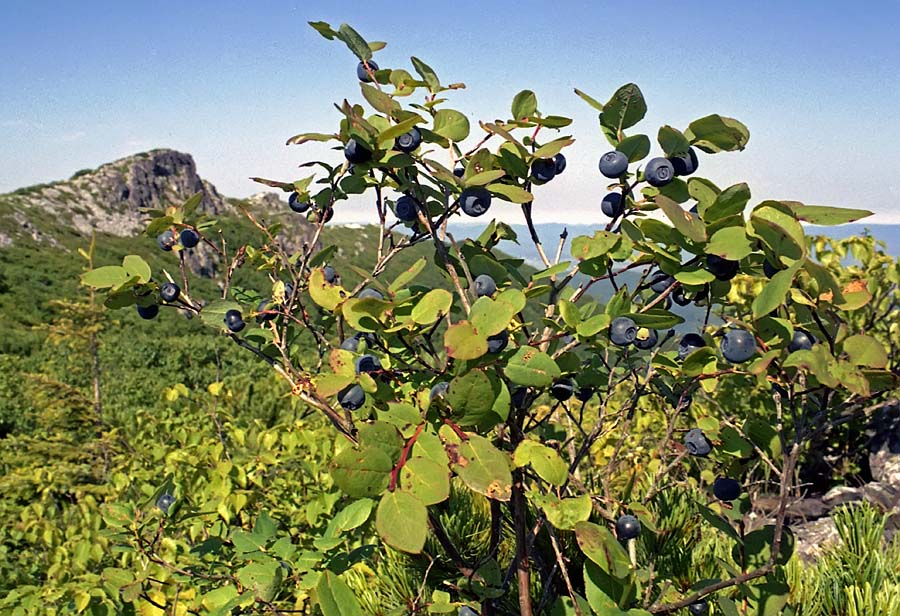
<point x="113" y="199"/>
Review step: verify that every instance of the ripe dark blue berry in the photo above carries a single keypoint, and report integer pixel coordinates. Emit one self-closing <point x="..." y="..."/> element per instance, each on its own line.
<point x="802" y="341"/>
<point x="769" y="270"/>
<point x="484" y="285"/>
<point x="297" y="205"/>
<point x="370" y="292"/>
<point x="690" y="343"/>
<point x="613" y="164"/>
<point x="406" y="209"/>
<point x="738" y="345"/>
<point x="661" y="282"/>
<point x="560" y="161"/>
<point x="475" y="201"/>
<point x="685" y="164"/>
<point x="169" y="292"/>
<point x="352" y="343"/>
<point x="584" y="393"/>
<point x="317" y="215"/>
<point x="543" y="170"/>
<point x="362" y="74"/>
<point x="699" y="608"/>
<point x="726" y="489"/>
<point x="352" y="398"/>
<point x="408" y="141"/>
<point x="165" y="501"/>
<point x="234" y="321"/>
<point x="722" y="269"/>
<point x="189" y="238"/>
<point x="659" y="172"/>
<point x="498" y="342"/>
<point x="628" y="527"/>
<point x="357" y="152"/>
<point x="148" y="312"/>
<point x="647" y="342"/>
<point x="622" y="331"/>
<point x="612" y="205"/>
<point x="696" y="442"/>
<point x="166" y="240"/>
<point x="438" y="390"/>
<point x="367" y="363"/>
<point x="562" y="389"/>
<point x="330" y="274"/>
<point x="459" y="172"/>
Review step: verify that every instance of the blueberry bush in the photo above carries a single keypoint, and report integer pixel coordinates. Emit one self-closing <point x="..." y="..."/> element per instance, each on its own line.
<point x="503" y="442"/>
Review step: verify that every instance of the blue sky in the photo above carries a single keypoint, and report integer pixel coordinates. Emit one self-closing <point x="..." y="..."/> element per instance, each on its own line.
<point x="816" y="82"/>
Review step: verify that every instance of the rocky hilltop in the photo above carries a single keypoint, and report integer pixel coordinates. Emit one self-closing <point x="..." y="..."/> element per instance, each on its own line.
<point x="112" y="198"/>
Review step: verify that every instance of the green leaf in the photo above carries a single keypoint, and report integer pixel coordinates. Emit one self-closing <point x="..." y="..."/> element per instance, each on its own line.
<point x="514" y="194"/>
<point x="389" y="134"/>
<point x="451" y="124"/>
<point x="625" y="109"/>
<point x="593" y="325"/>
<point x="432" y="306"/>
<point x="261" y="578"/>
<point x="703" y="191"/>
<point x="590" y="247"/>
<point x="818" y="361"/>
<point x="482" y="467"/>
<point x="463" y="341"/>
<point x="335" y="598"/>
<point x="864" y="350"/>
<point x="136" y="267"/>
<point x="402" y="521"/>
<point x="471" y="396"/>
<point x="715" y="133"/>
<point x="361" y="472"/>
<point x="426" y="480"/>
<point x="524" y="105"/>
<point x="729" y="243"/>
<point x="824" y="215"/>
<point x="408" y="275"/>
<point x="531" y="367"/>
<point x="774" y="292"/>
<point x="428" y="76"/>
<point x="774" y="223"/>
<point x="491" y="317"/>
<point x="672" y="141"/>
<point x="656" y="318"/>
<point x="593" y="102"/>
<point x="635" y="147"/>
<point x="356" y="43"/>
<point x="552" y="148"/>
<point x="105" y="277"/>
<point x="485" y="177"/>
<point x="380" y="100"/>
<point x="730" y="202"/>
<point x="565" y="513"/>
<point x="545" y="461"/>
<point x="686" y="223"/>
<point x="213" y="314"/>
<point x="599" y="544"/>
<point x="364" y="314"/>
<point x="695" y="277"/>
<point x="323" y="293"/>
<point x="297" y="140"/>
<point x="324" y="29"/>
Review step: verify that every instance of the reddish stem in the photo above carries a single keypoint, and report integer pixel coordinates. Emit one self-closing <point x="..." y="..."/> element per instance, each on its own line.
<point x="462" y="435"/>
<point x="404" y="455"/>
